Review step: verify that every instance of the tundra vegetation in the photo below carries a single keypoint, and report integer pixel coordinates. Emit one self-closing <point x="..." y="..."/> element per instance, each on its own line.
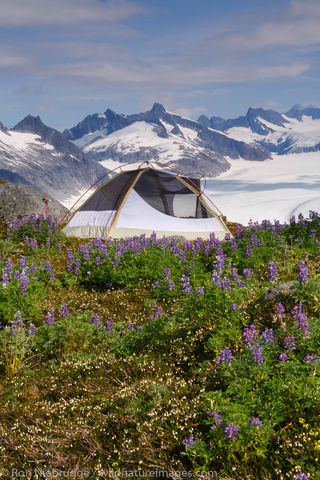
<point x="157" y="355"/>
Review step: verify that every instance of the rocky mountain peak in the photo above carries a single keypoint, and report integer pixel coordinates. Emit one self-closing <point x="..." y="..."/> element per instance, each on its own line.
<point x="204" y="120"/>
<point x="30" y="124"/>
<point x="297" y="111"/>
<point x="48" y="135"/>
<point x="158" y="109"/>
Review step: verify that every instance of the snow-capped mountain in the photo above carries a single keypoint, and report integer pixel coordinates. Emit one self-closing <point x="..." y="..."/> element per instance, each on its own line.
<point x="160" y="136"/>
<point x="34" y="154"/>
<point x="296" y="131"/>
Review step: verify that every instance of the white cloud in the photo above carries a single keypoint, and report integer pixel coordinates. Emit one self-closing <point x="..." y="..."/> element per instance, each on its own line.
<point x="278" y="71"/>
<point x="298" y="26"/>
<point x="13" y="61"/>
<point x="29" y="13"/>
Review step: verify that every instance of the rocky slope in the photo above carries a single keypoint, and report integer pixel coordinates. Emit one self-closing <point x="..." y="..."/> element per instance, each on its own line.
<point x="20" y="201"/>
<point x="34" y="154"/>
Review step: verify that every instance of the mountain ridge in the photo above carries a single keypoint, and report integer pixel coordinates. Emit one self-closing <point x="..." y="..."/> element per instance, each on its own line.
<point x="295" y="131"/>
<point x="159" y="135"/>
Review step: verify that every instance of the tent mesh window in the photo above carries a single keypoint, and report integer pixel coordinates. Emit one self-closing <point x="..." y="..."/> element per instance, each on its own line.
<point x="169" y="195"/>
<point x="109" y="196"/>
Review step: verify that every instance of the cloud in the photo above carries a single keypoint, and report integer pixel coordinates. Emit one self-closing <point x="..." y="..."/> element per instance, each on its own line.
<point x="14" y="61"/>
<point x="191" y="112"/>
<point x="135" y="73"/>
<point x="298" y="26"/>
<point x="30" y="13"/>
<point x="278" y="71"/>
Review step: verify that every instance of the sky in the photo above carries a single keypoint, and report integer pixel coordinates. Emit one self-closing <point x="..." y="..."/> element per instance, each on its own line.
<point x="65" y="59"/>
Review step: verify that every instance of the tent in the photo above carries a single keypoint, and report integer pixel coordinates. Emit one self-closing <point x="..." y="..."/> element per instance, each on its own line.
<point x="146" y="200"/>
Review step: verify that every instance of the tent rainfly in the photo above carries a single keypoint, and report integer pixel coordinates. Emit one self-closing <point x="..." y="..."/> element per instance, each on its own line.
<point x="144" y="201"/>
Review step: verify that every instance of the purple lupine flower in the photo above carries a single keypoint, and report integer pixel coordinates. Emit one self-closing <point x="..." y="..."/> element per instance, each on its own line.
<point x="171" y="284"/>
<point x="130" y="326"/>
<point x="32" y="329"/>
<point x="235" y="306"/>
<point x="249" y="335"/>
<point x="300" y="319"/>
<point x="303" y="272"/>
<point x="216" y="417"/>
<point x="248" y="251"/>
<point x="22" y="261"/>
<point x="109" y="326"/>
<point x="254" y="241"/>
<point x="64" y="311"/>
<point x="234" y="273"/>
<point x="256" y="421"/>
<point x="225" y="356"/>
<point x="157" y="311"/>
<point x="95" y="320"/>
<point x="98" y="261"/>
<point x="206" y="249"/>
<point x="219" y="262"/>
<point x="5" y="279"/>
<point x="48" y="244"/>
<point x="216" y="278"/>
<point x="187" y="442"/>
<point x="256" y="353"/>
<point x="273" y="271"/>
<point x="17" y="323"/>
<point x="233" y="244"/>
<point x="247" y="272"/>
<point x="267" y="336"/>
<point x="70" y="255"/>
<point x="9" y="265"/>
<point x="48" y="266"/>
<point x="283" y="356"/>
<point x="313" y="214"/>
<point x="33" y="243"/>
<point x="289" y="343"/>
<point x="239" y="229"/>
<point x="226" y="284"/>
<point x="279" y="308"/>
<point x="86" y="254"/>
<point x="24" y="281"/>
<point x="200" y="291"/>
<point x="50" y="318"/>
<point x="231" y="431"/>
<point x="186" y="288"/>
<point x="311" y="358"/>
<point x="313" y="233"/>
<point x="301" y="476"/>
<point x="69" y="266"/>
<point x="167" y="272"/>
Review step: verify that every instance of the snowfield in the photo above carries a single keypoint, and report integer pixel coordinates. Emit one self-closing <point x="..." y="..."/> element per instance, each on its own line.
<point x="274" y="189"/>
<point x="143" y="135"/>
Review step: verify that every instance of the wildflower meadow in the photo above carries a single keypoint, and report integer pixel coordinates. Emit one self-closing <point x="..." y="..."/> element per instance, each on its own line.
<point x="148" y="354"/>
